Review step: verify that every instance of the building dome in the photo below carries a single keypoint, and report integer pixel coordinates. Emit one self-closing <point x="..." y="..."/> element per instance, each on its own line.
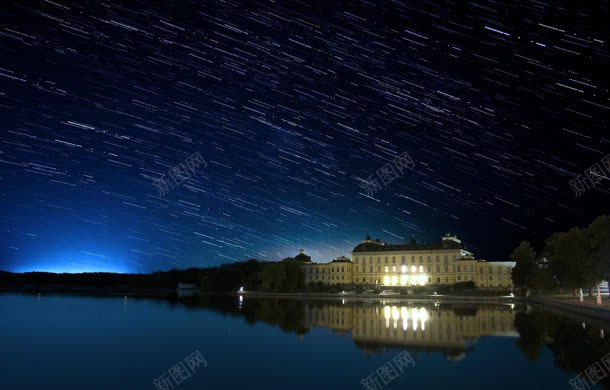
<point x="302" y="257"/>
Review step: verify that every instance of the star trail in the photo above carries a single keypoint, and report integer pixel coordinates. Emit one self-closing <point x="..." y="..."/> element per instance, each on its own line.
<point x="293" y="105"/>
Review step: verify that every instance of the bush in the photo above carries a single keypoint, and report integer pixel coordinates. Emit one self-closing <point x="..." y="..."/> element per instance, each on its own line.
<point x="461" y="286"/>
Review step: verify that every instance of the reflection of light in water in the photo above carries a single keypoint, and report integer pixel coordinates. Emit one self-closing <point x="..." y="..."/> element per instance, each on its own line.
<point x="418" y="316"/>
<point x="387" y="313"/>
<point x="241" y="300"/>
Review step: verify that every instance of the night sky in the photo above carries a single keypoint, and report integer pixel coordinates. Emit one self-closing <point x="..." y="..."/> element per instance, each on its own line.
<point x="292" y="105"/>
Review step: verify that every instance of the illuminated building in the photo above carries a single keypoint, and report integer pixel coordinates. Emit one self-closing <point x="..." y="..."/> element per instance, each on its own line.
<point x="413" y="264"/>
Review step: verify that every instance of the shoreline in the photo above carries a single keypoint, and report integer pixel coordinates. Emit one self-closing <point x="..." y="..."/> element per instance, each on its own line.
<point x="382" y="297"/>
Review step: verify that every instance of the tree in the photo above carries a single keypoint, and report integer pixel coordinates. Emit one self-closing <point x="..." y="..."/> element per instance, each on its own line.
<point x="525" y="257"/>
<point x="597" y="236"/>
<point x="571" y="259"/>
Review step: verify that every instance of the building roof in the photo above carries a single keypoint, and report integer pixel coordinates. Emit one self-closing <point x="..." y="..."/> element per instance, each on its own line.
<point x="375" y="246"/>
<point x="341" y="259"/>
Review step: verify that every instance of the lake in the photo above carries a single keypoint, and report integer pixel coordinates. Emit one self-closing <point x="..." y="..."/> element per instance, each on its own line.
<point x="219" y="342"/>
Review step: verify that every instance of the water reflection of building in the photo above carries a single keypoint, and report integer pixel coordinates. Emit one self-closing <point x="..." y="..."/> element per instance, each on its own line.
<point x="411" y="264"/>
<point x="450" y="329"/>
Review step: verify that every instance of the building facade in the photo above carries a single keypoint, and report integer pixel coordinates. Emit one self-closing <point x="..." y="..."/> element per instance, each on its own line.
<point x="378" y="263"/>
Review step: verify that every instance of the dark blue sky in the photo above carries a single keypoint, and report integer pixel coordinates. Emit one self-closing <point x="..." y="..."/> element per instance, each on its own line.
<point x="291" y="106"/>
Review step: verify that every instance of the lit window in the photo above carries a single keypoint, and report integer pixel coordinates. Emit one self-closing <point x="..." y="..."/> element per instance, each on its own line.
<point x="386" y="268"/>
<point x="403" y="269"/>
<point x="413" y="268"/>
<point x="421" y="268"/>
<point x="393" y="268"/>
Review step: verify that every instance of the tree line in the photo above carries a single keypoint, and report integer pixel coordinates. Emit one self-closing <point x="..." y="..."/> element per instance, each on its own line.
<point x="253" y="275"/>
<point x="578" y="258"/>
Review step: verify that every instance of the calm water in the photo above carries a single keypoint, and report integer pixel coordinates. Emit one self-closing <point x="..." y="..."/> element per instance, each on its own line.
<point x="73" y="342"/>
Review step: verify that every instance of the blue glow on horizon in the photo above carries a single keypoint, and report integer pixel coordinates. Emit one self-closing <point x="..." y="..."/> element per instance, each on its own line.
<point x="73" y="263"/>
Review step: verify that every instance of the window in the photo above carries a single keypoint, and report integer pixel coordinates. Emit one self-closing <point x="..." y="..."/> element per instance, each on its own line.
<point x="438" y="280"/>
<point x="393" y="259"/>
<point x="356" y="259"/>
<point x="378" y="260"/>
<point x="413" y="268"/>
<point x="421" y="259"/>
<point x="421" y="268"/>
<point x="403" y="269"/>
<point x="403" y="259"/>
<point x="429" y="268"/>
<point x="371" y="260"/>
<point x="378" y="268"/>
<point x="446" y="268"/>
<point x="386" y="259"/>
<point x="480" y="270"/>
<point x="438" y="268"/>
<point x="386" y="268"/>
<point x="429" y="259"/>
<point x="393" y="268"/>
<point x="371" y="269"/>
<point x="438" y="259"/>
<point x="454" y="257"/>
<point x="412" y="259"/>
<point x="491" y="277"/>
<point x="363" y="269"/>
<point x="459" y="269"/>
<point x="446" y="258"/>
<point x="459" y="277"/>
